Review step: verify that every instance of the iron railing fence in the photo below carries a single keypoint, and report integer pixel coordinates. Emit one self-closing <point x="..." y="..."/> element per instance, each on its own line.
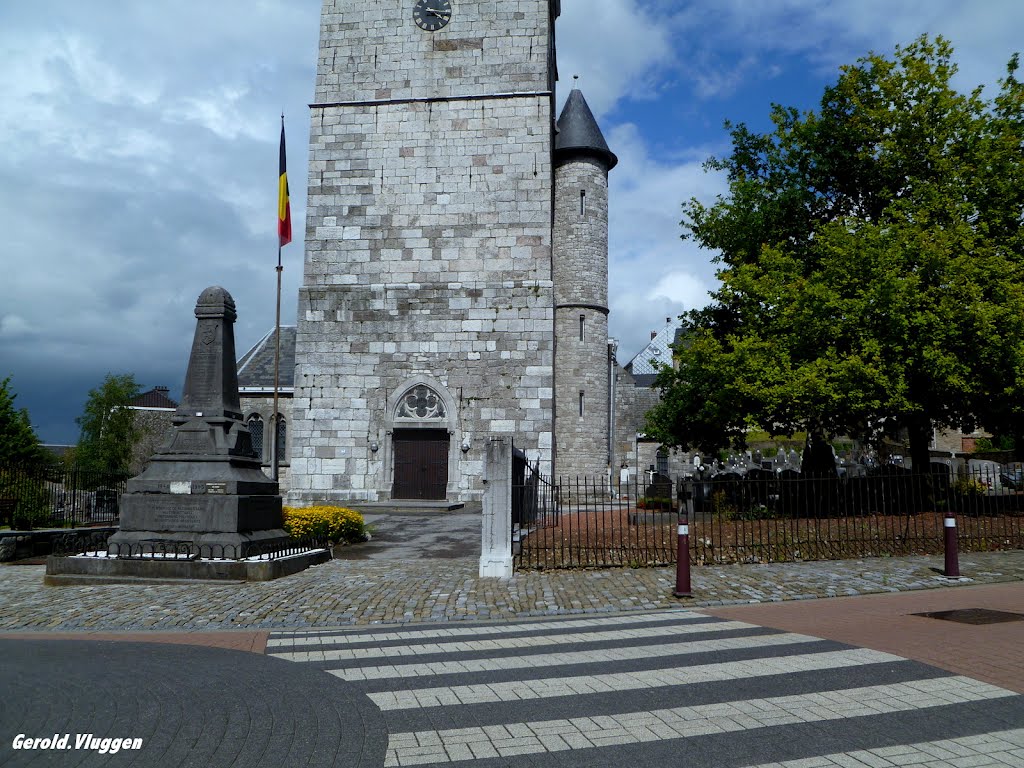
<point x="763" y="516"/>
<point x="96" y="545"/>
<point x="58" y="496"/>
<point x="531" y="492"/>
<point x="584" y="523"/>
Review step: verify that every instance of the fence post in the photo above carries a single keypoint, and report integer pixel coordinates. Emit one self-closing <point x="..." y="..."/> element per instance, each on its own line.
<point x="950" y="541"/>
<point x="496" y="527"/>
<point x="683" y="545"/>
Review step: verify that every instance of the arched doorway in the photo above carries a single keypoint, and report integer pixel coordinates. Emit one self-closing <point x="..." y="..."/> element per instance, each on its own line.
<point x="421" y="443"/>
<point x="421" y="464"/>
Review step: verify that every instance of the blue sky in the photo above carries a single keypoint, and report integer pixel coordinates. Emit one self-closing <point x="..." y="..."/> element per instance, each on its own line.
<point x="140" y="157"/>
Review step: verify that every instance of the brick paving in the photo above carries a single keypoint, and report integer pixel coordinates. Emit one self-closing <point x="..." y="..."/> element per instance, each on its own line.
<point x="989" y="652"/>
<point x="354" y="592"/>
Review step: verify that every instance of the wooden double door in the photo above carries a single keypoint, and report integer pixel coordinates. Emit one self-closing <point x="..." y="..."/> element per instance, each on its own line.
<point x="421" y="464"/>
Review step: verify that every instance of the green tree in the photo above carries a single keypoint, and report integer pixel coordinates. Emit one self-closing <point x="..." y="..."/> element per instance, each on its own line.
<point x="107" y="425"/>
<point x="870" y="264"/>
<point x="18" y="441"/>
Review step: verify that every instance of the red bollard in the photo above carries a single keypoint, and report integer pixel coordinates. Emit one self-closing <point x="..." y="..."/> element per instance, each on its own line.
<point x="949" y="539"/>
<point x="683" y="555"/>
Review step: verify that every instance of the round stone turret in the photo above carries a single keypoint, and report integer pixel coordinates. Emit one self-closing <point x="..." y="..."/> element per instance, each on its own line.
<point x="580" y="275"/>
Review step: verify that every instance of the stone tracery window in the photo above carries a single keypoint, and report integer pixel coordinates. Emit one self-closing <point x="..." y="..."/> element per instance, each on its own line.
<point x="255" y="424"/>
<point x="421" y="402"/>
<point x="282" y="442"/>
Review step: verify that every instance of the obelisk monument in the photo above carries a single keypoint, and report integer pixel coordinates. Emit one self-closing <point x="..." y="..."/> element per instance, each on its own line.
<point x="205" y="487"/>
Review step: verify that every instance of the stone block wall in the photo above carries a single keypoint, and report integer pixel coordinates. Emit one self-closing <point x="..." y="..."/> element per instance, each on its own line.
<point x="154" y="428"/>
<point x="264" y="406"/>
<point x="580" y="269"/>
<point x="428" y="242"/>
<point x="375" y="52"/>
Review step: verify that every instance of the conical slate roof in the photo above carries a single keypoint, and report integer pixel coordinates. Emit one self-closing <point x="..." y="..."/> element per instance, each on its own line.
<point x="579" y="134"/>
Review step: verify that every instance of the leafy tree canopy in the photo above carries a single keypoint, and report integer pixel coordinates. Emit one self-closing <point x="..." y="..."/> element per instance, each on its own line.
<point x="107" y="425"/>
<point x="18" y="441"/>
<point x="871" y="264"/>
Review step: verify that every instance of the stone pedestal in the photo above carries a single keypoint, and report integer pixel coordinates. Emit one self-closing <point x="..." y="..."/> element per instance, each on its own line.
<point x="496" y="527"/>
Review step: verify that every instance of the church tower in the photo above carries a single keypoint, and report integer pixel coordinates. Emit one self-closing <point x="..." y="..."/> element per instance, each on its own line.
<point x="426" y="310"/>
<point x="580" y="269"/>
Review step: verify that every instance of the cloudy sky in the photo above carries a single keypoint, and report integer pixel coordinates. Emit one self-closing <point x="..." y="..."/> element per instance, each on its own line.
<point x="140" y="156"/>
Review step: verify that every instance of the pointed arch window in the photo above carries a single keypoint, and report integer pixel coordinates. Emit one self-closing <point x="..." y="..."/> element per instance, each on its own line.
<point x="255" y="424"/>
<point x="282" y="439"/>
<point x="662" y="458"/>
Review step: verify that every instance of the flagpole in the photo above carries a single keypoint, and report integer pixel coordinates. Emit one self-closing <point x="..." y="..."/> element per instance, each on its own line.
<point x="282" y="215"/>
<point x="277" y="364"/>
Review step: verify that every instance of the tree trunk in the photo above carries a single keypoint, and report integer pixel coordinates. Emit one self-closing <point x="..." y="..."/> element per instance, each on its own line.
<point x="919" y="430"/>
<point x="818" y="468"/>
<point x="818" y="459"/>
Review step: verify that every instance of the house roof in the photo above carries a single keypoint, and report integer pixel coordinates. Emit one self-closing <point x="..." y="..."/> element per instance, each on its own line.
<point x="657" y="353"/>
<point x="579" y="133"/>
<point x="154" y="398"/>
<point x="256" y="367"/>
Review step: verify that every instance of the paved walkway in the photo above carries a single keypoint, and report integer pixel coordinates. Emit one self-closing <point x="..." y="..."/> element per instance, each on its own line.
<point x="629" y="677"/>
<point x="667" y="688"/>
<point x="347" y="592"/>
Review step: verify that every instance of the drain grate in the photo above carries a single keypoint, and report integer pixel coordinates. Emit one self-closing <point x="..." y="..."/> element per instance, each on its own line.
<point x="973" y="616"/>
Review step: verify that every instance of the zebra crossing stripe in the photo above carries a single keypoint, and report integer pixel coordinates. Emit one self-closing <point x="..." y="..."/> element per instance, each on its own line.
<point x="997" y="748"/>
<point x="521" y="690"/>
<point x="420" y="747"/>
<point x="354" y="637"/>
<point x="507" y="643"/>
<point x="567" y="658"/>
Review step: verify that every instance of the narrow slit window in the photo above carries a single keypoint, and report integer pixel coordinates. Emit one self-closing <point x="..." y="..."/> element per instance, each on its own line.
<point x="583" y="326"/>
<point x="581" y="402"/>
<point x="583" y="202"/>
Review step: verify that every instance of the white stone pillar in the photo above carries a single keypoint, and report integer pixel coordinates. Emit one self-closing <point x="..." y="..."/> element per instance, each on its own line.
<point x="496" y="530"/>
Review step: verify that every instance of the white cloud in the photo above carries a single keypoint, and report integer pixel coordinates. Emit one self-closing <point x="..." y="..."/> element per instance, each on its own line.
<point x="653" y="274"/>
<point x="839" y="32"/>
<point x="13" y="326"/>
<point x="615" y="46"/>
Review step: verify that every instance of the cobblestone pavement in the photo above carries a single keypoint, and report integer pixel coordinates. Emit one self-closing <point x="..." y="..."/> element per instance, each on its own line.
<point x="344" y="592"/>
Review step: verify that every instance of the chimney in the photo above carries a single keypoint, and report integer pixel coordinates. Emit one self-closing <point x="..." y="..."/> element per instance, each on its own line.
<point x="161" y="389"/>
<point x="654" y="335"/>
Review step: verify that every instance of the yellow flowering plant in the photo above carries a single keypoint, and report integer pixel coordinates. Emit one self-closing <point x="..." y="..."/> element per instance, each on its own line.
<point x="333" y="523"/>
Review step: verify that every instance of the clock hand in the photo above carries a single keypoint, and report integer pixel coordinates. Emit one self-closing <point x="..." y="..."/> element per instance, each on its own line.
<point x="439" y="14"/>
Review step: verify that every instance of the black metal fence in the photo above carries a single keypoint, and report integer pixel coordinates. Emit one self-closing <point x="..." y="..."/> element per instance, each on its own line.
<point x="764" y="516"/>
<point x="39" y="497"/>
<point x="86" y="544"/>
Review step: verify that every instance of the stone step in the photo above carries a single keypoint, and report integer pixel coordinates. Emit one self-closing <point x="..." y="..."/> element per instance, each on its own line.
<point x="412" y="507"/>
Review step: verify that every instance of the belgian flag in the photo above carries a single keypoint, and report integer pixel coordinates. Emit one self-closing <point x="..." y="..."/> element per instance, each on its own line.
<point x="284" y="209"/>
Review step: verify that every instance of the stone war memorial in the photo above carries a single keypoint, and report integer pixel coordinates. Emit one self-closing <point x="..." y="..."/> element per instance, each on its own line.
<point x="202" y="508"/>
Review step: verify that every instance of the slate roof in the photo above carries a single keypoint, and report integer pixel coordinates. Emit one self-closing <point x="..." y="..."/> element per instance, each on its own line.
<point x="154" y="398"/>
<point x="658" y="351"/>
<point x="256" y="367"/>
<point x="579" y="134"/>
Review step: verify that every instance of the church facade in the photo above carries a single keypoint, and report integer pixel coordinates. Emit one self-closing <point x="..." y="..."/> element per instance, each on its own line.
<point x="456" y="270"/>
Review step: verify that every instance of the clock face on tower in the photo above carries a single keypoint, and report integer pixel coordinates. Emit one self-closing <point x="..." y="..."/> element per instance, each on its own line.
<point x="431" y="15"/>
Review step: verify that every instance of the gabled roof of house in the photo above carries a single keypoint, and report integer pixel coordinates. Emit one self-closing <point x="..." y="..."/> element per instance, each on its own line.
<point x="658" y="352"/>
<point x="156" y="398"/>
<point x="256" y="367"/>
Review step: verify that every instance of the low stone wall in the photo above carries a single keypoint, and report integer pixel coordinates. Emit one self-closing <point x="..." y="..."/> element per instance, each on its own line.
<point x="18" y="545"/>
